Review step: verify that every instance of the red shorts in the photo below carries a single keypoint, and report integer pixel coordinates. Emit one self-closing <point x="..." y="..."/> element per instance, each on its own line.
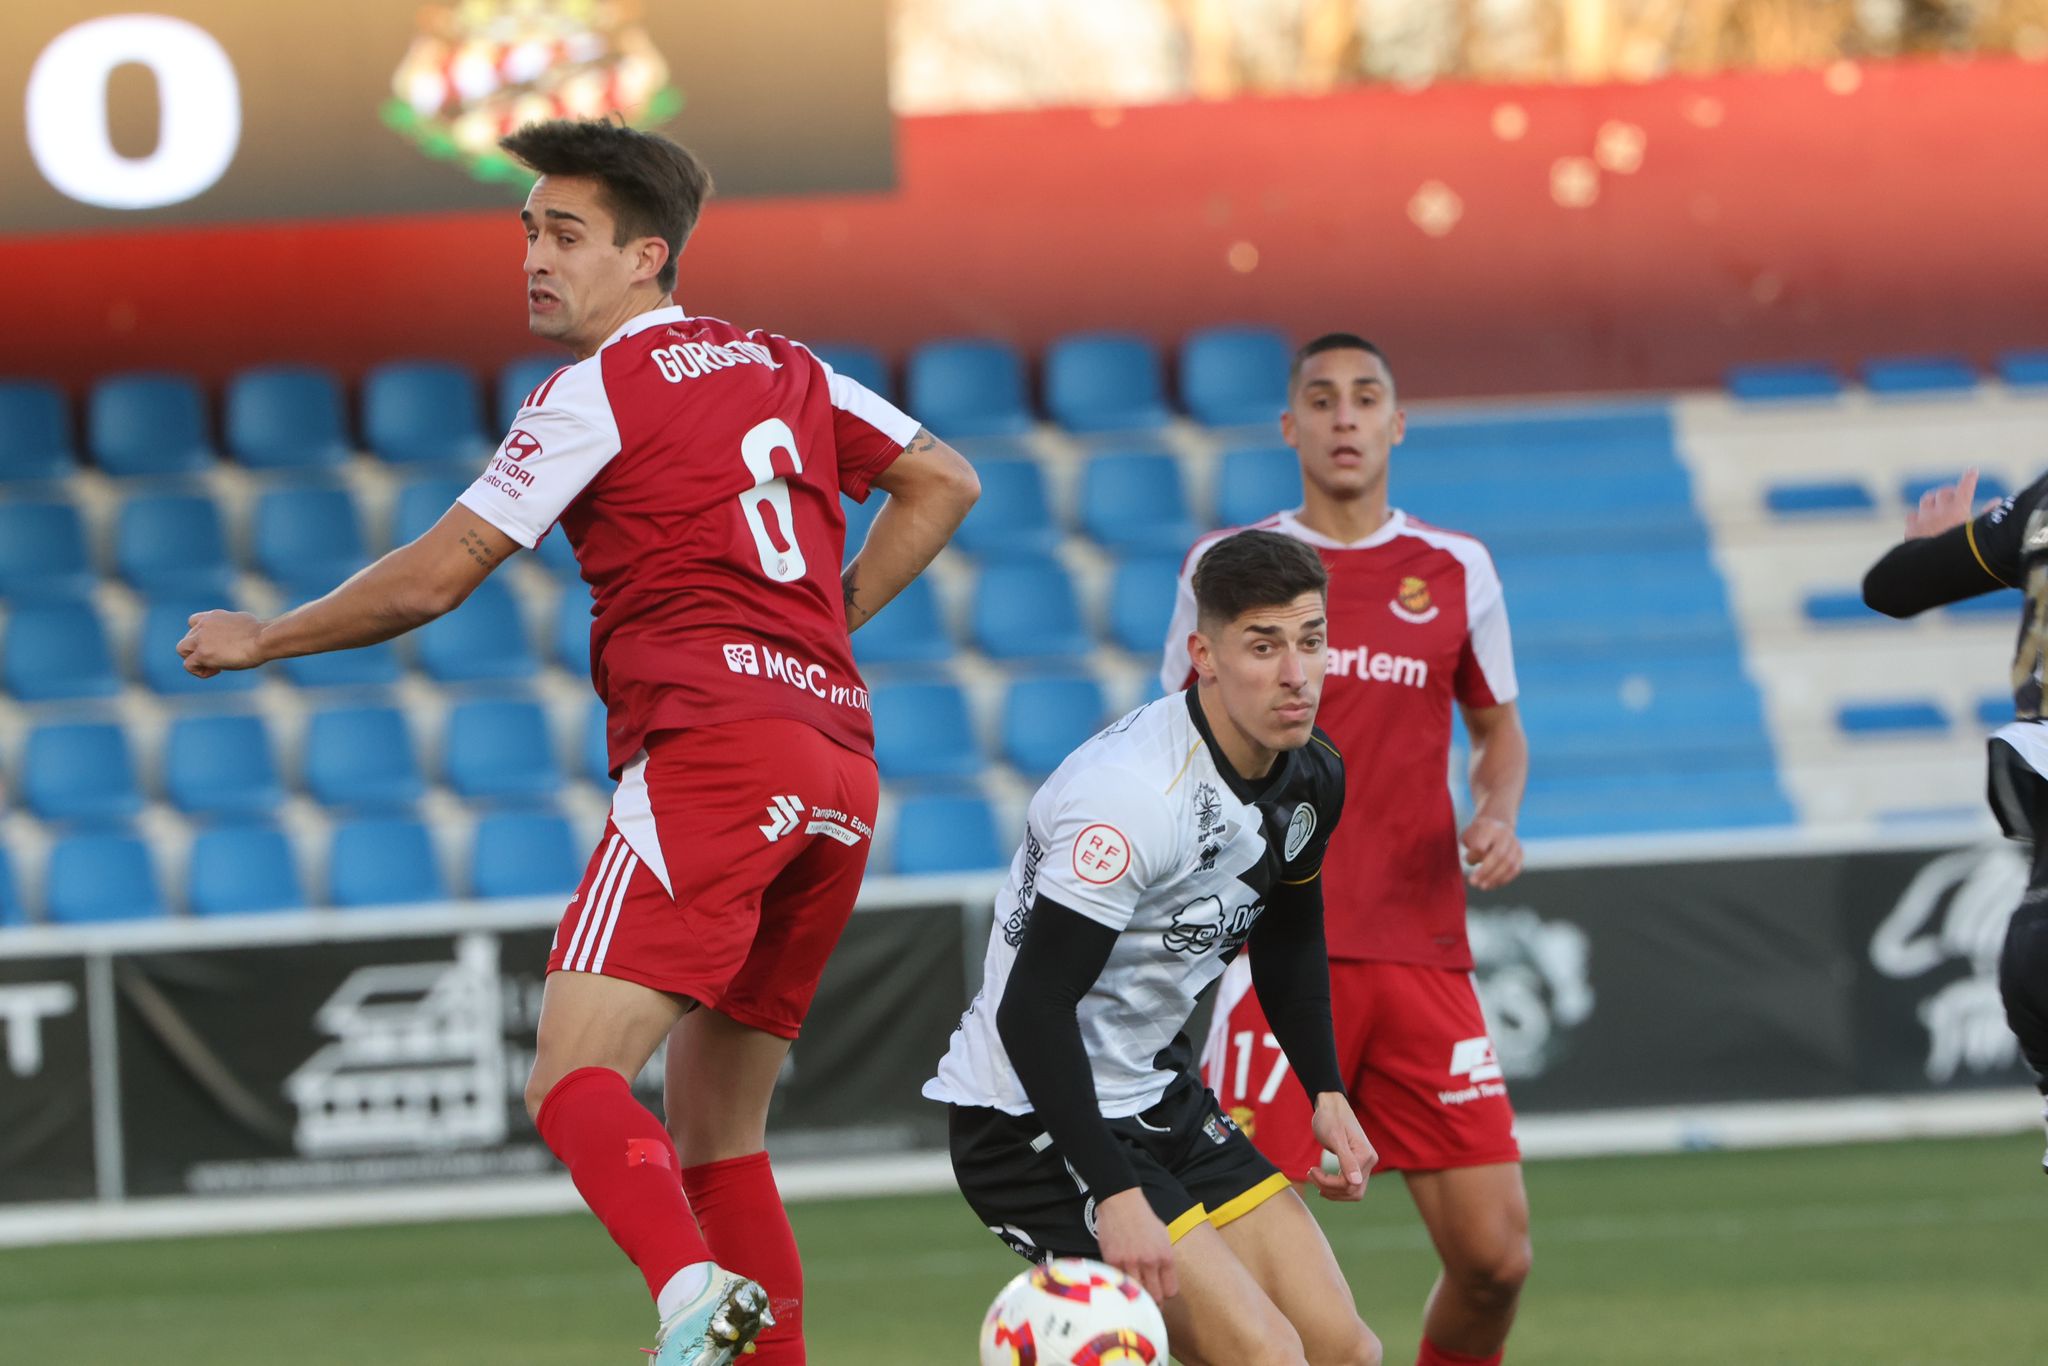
<point x="1416" y="1058"/>
<point x="727" y="870"/>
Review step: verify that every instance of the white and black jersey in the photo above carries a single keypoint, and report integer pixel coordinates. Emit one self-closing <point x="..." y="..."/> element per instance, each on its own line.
<point x="1147" y="831"/>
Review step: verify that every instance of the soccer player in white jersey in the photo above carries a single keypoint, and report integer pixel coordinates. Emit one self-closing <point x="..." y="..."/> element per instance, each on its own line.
<point x="1418" y="625"/>
<point x="1151" y="857"/>
<point x="696" y="469"/>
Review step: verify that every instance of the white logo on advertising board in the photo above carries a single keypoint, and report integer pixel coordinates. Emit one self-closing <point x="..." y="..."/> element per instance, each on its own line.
<point x="1956" y="909"/>
<point x="1533" y="984"/>
<point x="23" y="1009"/>
<point x="417" y="1061"/>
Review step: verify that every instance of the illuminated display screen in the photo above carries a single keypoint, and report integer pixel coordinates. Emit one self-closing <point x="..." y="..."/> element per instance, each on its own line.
<point x="213" y="110"/>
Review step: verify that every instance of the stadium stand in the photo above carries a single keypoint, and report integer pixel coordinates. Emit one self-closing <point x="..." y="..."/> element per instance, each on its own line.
<point x="1681" y="577"/>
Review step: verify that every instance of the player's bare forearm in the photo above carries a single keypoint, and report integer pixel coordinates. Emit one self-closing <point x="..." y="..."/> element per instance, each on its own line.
<point x="931" y="488"/>
<point x="377" y="603"/>
<point x="1500" y="762"/>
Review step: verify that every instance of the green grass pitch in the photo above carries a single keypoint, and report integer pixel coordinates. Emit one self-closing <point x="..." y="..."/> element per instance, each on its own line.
<point x="1922" y="1253"/>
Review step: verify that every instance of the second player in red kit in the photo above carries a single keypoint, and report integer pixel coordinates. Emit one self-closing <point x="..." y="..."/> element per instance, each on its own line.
<point x="1418" y="630"/>
<point x="696" y="469"/>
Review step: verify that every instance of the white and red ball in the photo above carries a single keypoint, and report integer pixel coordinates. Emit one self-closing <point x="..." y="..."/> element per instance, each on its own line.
<point x="1073" y="1312"/>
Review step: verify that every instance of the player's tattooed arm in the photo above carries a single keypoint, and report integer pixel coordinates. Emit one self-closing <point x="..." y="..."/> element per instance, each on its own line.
<point x="478" y="550"/>
<point x="930" y="487"/>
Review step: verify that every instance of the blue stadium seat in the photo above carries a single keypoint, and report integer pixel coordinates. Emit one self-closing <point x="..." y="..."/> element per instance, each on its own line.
<point x="11" y="911"/>
<point x="1026" y="609"/>
<point x="423" y="501"/>
<point x="1234" y="376"/>
<point x="35" y="433"/>
<point x="945" y="833"/>
<point x="43" y="550"/>
<point x="1141" y="596"/>
<point x="1643" y="803"/>
<point x="101" y="875"/>
<point x="1254" y="484"/>
<point x="500" y="748"/>
<point x="79" y="771"/>
<point x="173" y="543"/>
<point x="1014" y="514"/>
<point x="362" y="758"/>
<point x="287" y="417"/>
<point x="1919" y="375"/>
<point x="164" y="623"/>
<point x="1784" y="380"/>
<point x="1995" y="711"/>
<point x="908" y="630"/>
<point x="570" y="636"/>
<point x="308" y="539"/>
<point x="221" y="766"/>
<point x="859" y="517"/>
<point x="147" y="424"/>
<point x="485" y="638"/>
<point x="1914" y="487"/>
<point x="923" y="731"/>
<point x="968" y="388"/>
<point x="2023" y="369"/>
<point x="57" y="651"/>
<point x="521" y="378"/>
<point x="1820" y="496"/>
<point x="241" y="870"/>
<point x="559" y="556"/>
<point x="1690" y="727"/>
<point x="424" y="413"/>
<point x="383" y="861"/>
<point x="372" y="666"/>
<point x="1828" y="607"/>
<point x="524" y="853"/>
<point x="597" y="764"/>
<point x="1914" y="717"/>
<point x="1136" y="502"/>
<point x="1105" y="382"/>
<point x="1046" y="718"/>
<point x="861" y="364"/>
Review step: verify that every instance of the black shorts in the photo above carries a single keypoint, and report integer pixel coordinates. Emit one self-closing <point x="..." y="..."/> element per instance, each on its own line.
<point x="1193" y="1163"/>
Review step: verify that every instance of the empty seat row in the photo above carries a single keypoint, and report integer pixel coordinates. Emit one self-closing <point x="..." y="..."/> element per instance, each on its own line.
<point x="1918" y="716"/>
<point x="356" y="758"/>
<point x="1892" y="375"/>
<point x="59" y="649"/>
<point x="1802" y="498"/>
<point x="106" y="875"/>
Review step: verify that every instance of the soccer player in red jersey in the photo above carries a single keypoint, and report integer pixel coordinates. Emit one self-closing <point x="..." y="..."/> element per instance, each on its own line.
<point x="697" y="471"/>
<point x="1417" y="623"/>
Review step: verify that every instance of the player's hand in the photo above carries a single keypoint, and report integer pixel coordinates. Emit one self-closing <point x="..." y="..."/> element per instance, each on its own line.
<point x="1337" y="1129"/>
<point x="221" y="640"/>
<point x="1135" y="1242"/>
<point x="1945" y="508"/>
<point x="1493" y="853"/>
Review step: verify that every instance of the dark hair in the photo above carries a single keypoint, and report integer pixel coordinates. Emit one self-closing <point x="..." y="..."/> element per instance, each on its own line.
<point x="1333" y="341"/>
<point x="652" y="187"/>
<point x="1253" y="569"/>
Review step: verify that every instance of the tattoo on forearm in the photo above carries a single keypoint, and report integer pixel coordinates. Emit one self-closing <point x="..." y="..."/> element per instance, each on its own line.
<point x="853" y="611"/>
<point x="478" y="551"/>
<point x="923" y="441"/>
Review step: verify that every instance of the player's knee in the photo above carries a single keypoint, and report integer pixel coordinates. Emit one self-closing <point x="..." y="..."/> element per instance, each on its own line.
<point x="1360" y="1346"/>
<point x="538" y="1084"/>
<point x="1493" y="1278"/>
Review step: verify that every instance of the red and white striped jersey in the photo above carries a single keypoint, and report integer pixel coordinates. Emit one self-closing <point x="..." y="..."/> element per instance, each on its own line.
<point x="696" y="470"/>
<point x="1417" y="621"/>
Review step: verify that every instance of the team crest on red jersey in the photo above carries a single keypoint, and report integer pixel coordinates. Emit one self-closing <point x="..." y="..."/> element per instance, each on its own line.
<point x="1412" y="602"/>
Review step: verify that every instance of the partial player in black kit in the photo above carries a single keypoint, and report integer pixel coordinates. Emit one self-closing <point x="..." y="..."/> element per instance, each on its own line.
<point x="1949" y="555"/>
<point x="1158" y="850"/>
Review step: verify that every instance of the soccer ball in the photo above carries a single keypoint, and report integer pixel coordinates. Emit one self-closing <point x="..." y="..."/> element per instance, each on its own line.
<point x="1073" y="1312"/>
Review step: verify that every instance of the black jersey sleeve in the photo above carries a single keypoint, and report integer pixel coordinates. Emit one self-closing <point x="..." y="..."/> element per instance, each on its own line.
<point x="1980" y="556"/>
<point x="1291" y="973"/>
<point x="1325" y="796"/>
<point x="1058" y="959"/>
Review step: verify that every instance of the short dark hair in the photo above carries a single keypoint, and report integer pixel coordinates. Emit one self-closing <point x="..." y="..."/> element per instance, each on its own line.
<point x="653" y="187"/>
<point x="1252" y="569"/>
<point x="1333" y="341"/>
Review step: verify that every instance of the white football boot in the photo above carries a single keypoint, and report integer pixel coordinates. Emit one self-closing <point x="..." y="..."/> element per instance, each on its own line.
<point x="714" y="1328"/>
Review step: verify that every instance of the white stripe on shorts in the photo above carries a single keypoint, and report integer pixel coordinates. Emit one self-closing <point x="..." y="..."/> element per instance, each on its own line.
<point x="633" y="814"/>
<point x="612" y="915"/>
<point x="600" y="888"/>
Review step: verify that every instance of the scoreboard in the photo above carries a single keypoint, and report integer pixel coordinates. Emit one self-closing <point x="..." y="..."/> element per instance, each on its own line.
<point x="191" y="111"/>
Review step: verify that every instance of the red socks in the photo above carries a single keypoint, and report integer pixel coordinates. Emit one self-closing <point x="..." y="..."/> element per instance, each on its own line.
<point x="1433" y="1355"/>
<point x="748" y="1230"/>
<point x="625" y="1167"/>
